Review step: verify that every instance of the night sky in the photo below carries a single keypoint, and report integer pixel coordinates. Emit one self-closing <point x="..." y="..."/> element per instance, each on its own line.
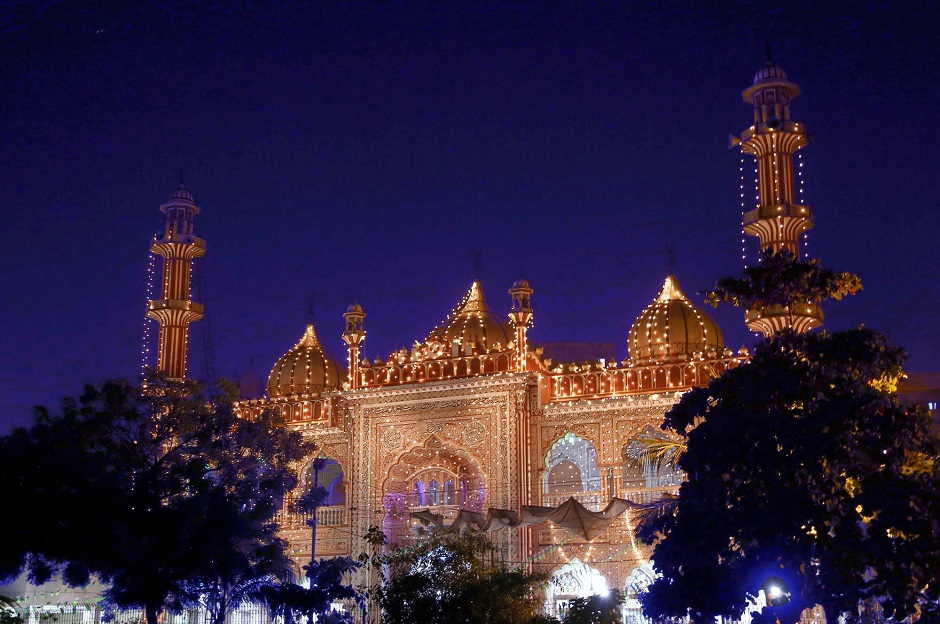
<point x="356" y="151"/>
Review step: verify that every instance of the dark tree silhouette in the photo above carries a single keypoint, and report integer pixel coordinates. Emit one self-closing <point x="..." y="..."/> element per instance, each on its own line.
<point x="802" y="464"/>
<point x="595" y="609"/>
<point x="163" y="494"/>
<point x="457" y="579"/>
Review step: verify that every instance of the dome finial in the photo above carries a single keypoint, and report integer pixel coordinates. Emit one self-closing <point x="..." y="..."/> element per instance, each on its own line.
<point x="476" y="256"/>
<point x="671" y="257"/>
<point x="768" y="54"/>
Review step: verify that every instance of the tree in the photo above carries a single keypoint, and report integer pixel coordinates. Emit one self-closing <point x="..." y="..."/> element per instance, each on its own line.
<point x="457" y="579"/>
<point x="802" y="465"/>
<point x="297" y="604"/>
<point x="781" y="279"/>
<point x="596" y="609"/>
<point x="167" y="497"/>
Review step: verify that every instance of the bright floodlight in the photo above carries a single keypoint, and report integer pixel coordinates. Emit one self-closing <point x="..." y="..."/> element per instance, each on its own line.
<point x="777" y="591"/>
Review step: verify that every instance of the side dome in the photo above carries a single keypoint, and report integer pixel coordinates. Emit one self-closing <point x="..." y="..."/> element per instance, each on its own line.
<point x="671" y="327"/>
<point x="305" y="369"/>
<point x="473" y="326"/>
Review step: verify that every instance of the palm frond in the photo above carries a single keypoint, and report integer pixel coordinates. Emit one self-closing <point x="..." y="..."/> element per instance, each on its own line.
<point x="656" y="449"/>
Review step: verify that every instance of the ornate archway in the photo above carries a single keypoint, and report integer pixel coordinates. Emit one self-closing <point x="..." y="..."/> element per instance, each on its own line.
<point x="573" y="580"/>
<point x="437" y="475"/>
<point x="571" y="470"/>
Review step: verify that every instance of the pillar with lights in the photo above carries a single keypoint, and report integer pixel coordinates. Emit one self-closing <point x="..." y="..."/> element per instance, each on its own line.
<point x="175" y="310"/>
<point x="779" y="218"/>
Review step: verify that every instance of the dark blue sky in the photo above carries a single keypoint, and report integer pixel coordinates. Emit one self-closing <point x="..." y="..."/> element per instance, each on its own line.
<point x="362" y="151"/>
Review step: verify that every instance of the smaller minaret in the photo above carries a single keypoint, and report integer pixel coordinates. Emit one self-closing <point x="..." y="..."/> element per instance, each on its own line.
<point x="778" y="219"/>
<point x="521" y="316"/>
<point x="175" y="310"/>
<point x="353" y="337"/>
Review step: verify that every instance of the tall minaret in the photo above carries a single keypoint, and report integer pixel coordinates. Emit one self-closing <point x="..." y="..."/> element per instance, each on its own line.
<point x="176" y="309"/>
<point x="779" y="219"/>
<point x="521" y="316"/>
<point x="353" y="337"/>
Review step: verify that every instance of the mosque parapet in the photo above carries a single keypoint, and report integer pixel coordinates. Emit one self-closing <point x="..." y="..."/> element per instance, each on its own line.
<point x="597" y="381"/>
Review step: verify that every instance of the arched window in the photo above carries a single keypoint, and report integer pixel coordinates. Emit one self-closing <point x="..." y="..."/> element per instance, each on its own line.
<point x="636" y="584"/>
<point x="449" y="495"/>
<point x="565" y="478"/>
<point x="571" y="469"/>
<point x="417" y="496"/>
<point x="573" y="580"/>
<point x="328" y="474"/>
<point x="434" y="493"/>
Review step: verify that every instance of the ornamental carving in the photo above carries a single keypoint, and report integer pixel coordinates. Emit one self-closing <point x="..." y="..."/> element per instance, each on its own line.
<point x="392" y="439"/>
<point x="474" y="433"/>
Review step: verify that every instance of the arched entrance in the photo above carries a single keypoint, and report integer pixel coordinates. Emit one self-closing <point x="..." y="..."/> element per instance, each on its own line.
<point x="438" y="476"/>
<point x="571" y="470"/>
<point x="637" y="582"/>
<point x="573" y="580"/>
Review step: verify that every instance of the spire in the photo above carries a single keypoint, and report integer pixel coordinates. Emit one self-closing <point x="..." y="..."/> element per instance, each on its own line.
<point x="779" y="218"/>
<point x="179" y="246"/>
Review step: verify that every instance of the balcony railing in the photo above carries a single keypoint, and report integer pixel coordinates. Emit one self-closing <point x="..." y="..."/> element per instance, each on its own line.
<point x="326" y="516"/>
<point x="590" y="499"/>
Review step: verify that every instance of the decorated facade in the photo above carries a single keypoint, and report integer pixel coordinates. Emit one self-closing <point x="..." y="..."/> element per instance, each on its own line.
<point x="474" y="426"/>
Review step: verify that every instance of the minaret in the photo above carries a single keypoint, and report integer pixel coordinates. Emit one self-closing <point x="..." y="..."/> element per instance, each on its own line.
<point x="353" y="337"/>
<point x="176" y="309"/>
<point x="779" y="219"/>
<point x="521" y="316"/>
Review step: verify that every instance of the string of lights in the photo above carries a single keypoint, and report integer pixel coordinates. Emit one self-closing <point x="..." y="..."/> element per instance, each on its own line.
<point x="148" y="322"/>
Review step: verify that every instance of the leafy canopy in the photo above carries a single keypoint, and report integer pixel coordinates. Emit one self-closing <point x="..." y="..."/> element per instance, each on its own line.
<point x="596" y="609"/>
<point x="780" y="279"/>
<point x="457" y="579"/>
<point x="162" y="494"/>
<point x="801" y="464"/>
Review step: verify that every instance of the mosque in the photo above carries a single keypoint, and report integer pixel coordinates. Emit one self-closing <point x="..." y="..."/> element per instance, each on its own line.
<point x="474" y="426"/>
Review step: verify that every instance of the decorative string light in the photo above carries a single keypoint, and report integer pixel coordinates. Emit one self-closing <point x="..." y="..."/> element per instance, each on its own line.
<point x="743" y="210"/>
<point x="145" y="338"/>
<point x="805" y="233"/>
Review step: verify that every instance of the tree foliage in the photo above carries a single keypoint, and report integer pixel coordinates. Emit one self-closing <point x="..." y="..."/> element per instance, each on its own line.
<point x="457" y="579"/>
<point x="780" y="279"/>
<point x="295" y="604"/>
<point x="162" y="494"/>
<point x="596" y="609"/>
<point x="802" y="464"/>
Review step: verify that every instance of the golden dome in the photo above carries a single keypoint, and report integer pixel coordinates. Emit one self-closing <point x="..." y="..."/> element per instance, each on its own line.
<point x="670" y="327"/>
<point x="473" y="326"/>
<point x="305" y="369"/>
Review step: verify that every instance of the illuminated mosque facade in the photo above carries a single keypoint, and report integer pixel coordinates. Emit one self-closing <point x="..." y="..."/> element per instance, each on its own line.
<point x="472" y="426"/>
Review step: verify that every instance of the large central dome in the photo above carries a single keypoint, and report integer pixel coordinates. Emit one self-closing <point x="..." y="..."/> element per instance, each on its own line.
<point x="305" y="369"/>
<point x="473" y="326"/>
<point x="671" y="327"/>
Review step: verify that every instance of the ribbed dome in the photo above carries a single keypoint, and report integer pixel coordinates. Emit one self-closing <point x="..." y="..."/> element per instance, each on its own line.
<point x="473" y="326"/>
<point x="770" y="72"/>
<point x="305" y="369"/>
<point x="181" y="192"/>
<point x="670" y="327"/>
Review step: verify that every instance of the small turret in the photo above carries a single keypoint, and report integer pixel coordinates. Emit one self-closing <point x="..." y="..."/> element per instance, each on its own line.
<point x="521" y="317"/>
<point x="353" y="337"/>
